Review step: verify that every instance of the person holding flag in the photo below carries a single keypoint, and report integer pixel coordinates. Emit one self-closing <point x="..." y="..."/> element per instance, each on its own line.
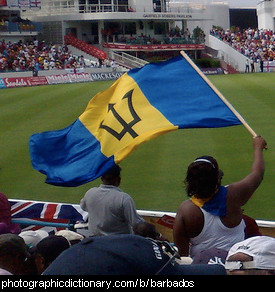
<point x="213" y="215"/>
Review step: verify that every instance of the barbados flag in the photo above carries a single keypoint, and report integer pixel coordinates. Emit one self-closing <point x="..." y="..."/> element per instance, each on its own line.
<point x="141" y="105"/>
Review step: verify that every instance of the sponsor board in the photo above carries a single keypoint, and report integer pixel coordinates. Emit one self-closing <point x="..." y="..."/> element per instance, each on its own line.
<point x="24" y="81"/>
<point x="69" y="78"/>
<point x="106" y="76"/>
<point x="57" y="79"/>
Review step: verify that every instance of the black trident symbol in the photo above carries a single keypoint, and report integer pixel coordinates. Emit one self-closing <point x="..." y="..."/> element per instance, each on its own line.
<point x="127" y="127"/>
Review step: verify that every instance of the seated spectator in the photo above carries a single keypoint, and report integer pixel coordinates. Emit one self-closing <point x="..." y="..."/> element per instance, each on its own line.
<point x="13" y="252"/>
<point x="111" y="211"/>
<point x="214" y="217"/>
<point x="217" y="255"/>
<point x="253" y="256"/>
<point x="123" y="255"/>
<point x="6" y="226"/>
<point x="48" y="249"/>
<point x="32" y="238"/>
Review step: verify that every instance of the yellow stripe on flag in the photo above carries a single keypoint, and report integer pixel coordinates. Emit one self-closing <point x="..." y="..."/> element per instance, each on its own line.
<point x="121" y="118"/>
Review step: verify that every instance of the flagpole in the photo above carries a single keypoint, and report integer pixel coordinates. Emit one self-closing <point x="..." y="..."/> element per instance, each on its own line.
<point x="219" y="94"/>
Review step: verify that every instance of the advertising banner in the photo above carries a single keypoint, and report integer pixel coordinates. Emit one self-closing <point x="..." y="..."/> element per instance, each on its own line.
<point x="106" y="76"/>
<point x="69" y="78"/>
<point x="57" y="79"/>
<point x="24" y="81"/>
<point x="80" y="77"/>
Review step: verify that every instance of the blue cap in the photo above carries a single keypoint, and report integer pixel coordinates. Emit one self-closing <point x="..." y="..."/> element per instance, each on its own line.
<point x="123" y="255"/>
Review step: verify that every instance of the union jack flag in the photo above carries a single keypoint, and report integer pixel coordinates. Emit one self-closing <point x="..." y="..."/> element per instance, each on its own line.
<point x="47" y="215"/>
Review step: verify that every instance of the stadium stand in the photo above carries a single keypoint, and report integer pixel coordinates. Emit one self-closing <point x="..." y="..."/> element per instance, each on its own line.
<point x="23" y="56"/>
<point x="34" y="55"/>
<point x="254" y="43"/>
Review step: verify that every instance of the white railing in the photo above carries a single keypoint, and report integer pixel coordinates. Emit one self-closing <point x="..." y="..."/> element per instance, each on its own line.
<point x="127" y="60"/>
<point x="143" y="213"/>
<point x="70" y="7"/>
<point x="159" y="214"/>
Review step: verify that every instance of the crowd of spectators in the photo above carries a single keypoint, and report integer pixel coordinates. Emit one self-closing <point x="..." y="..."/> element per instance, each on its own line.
<point x="256" y="44"/>
<point x="25" y="56"/>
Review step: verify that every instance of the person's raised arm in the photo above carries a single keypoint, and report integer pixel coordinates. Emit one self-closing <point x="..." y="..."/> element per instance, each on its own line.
<point x="241" y="191"/>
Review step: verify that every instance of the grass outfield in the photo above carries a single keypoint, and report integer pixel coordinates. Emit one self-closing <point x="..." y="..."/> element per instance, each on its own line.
<point x="153" y="173"/>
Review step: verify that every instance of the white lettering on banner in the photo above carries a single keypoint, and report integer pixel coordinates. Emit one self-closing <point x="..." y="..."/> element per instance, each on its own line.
<point x="24" y="81"/>
<point x="56" y="79"/>
<point x="80" y="77"/>
<point x="167" y="15"/>
<point x="69" y="78"/>
<point x="105" y="76"/>
<point x="15" y="82"/>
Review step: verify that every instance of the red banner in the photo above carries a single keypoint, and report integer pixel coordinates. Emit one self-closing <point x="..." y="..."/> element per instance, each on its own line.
<point x="25" y="81"/>
<point x="3" y="2"/>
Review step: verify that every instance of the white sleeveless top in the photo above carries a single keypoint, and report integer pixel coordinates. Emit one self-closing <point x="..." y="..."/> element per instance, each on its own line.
<point x="215" y="234"/>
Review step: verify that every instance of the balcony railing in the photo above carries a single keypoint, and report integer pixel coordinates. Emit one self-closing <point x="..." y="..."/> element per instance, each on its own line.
<point x="64" y="7"/>
<point x="20" y="27"/>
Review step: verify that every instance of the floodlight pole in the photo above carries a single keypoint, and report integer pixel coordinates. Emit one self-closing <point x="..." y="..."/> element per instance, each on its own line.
<point x="219" y="94"/>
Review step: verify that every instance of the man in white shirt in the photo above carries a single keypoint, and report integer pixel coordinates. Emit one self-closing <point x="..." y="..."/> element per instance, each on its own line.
<point x="111" y="211"/>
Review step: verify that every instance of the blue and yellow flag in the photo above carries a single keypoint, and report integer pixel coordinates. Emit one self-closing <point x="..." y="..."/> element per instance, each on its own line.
<point x="142" y="104"/>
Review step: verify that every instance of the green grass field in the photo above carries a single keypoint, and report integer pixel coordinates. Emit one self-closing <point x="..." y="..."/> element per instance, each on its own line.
<point x="152" y="174"/>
